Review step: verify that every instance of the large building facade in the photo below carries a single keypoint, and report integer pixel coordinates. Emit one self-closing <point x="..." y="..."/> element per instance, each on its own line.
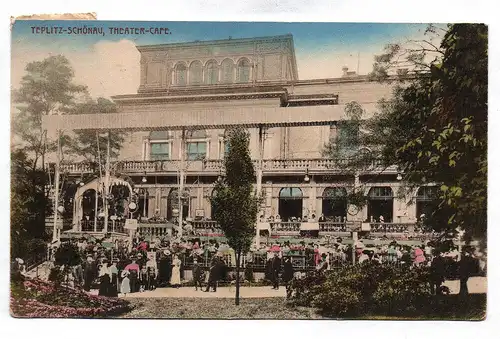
<point x="229" y="79"/>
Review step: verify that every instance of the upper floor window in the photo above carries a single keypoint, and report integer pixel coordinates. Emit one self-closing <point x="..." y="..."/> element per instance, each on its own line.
<point x="195" y="73"/>
<point x="223" y="148"/>
<point x="212" y="75"/>
<point x="347" y="138"/>
<point x="196" y="150"/>
<point x="160" y="151"/>
<point x="159" y="145"/>
<point x="244" y="71"/>
<point x="227" y="71"/>
<point x="180" y="75"/>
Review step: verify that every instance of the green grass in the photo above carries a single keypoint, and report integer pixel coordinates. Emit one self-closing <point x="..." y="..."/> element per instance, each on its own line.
<point x="216" y="308"/>
<point x="446" y="308"/>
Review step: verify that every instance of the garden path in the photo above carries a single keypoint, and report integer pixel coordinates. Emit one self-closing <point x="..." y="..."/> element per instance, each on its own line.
<point x="475" y="285"/>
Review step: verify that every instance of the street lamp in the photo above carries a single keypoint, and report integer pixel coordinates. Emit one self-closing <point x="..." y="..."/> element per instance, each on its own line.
<point x="113" y="218"/>
<point x="306" y="177"/>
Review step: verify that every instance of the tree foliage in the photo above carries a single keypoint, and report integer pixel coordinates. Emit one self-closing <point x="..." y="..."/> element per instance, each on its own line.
<point x="47" y="88"/>
<point x="235" y="205"/>
<point x="29" y="202"/>
<point x="434" y="127"/>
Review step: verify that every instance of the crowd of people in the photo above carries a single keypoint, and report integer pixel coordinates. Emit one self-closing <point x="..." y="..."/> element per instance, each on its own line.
<point x="112" y="268"/>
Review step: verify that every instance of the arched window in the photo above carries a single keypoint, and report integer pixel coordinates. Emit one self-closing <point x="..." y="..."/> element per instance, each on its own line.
<point x="426" y="201"/>
<point x="212" y="73"/>
<point x="195" y="73"/>
<point x="227" y="71"/>
<point x="334" y="203"/>
<point x="244" y="71"/>
<point x="180" y="75"/>
<point x="290" y="203"/>
<point x="380" y="204"/>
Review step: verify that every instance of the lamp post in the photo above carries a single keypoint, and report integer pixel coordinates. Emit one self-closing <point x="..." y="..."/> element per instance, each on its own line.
<point x="113" y="219"/>
<point x="55" y="230"/>
<point x="106" y="185"/>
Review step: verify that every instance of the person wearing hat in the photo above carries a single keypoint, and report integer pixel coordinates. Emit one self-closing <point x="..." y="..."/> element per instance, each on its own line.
<point x="125" y="286"/>
<point x="89" y="273"/>
<point x="213" y="274"/>
<point x="287" y="275"/>
<point x="275" y="270"/>
<point x="104" y="279"/>
<point x="133" y="269"/>
<point x="323" y="264"/>
<point x="113" y="288"/>
<point x="197" y="275"/>
<point x="175" y="279"/>
<point x="466" y="267"/>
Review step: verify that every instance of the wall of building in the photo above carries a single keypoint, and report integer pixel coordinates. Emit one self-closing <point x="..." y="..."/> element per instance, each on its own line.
<point x="270" y="59"/>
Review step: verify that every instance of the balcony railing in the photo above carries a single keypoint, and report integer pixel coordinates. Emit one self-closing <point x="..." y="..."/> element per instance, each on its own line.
<point x="91" y="226"/>
<point x="269" y="165"/>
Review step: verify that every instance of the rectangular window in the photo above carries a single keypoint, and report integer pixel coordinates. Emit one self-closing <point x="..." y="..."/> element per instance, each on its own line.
<point x="196" y="150"/>
<point x="347" y="137"/>
<point x="223" y="149"/>
<point x="160" y="151"/>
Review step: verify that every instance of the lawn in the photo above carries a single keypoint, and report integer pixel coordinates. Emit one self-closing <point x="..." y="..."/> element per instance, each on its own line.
<point x="447" y="308"/>
<point x="218" y="308"/>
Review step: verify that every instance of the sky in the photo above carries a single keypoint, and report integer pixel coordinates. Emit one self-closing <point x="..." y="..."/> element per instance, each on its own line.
<point x="109" y="64"/>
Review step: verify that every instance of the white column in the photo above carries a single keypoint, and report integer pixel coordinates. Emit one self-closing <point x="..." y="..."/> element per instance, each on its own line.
<point x="260" y="155"/>
<point x="181" y="179"/>
<point x="106" y="185"/>
<point x="55" y="231"/>
<point x="259" y="177"/>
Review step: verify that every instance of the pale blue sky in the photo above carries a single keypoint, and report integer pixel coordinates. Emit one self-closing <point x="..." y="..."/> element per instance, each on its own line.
<point x="109" y="64"/>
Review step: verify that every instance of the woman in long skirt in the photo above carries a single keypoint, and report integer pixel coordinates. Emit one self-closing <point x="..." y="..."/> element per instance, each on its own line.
<point x="125" y="286"/>
<point x="104" y="280"/>
<point x="175" y="280"/>
<point x="113" y="287"/>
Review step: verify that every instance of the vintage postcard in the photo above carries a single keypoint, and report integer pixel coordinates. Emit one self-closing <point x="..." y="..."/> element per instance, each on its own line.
<point x="250" y="170"/>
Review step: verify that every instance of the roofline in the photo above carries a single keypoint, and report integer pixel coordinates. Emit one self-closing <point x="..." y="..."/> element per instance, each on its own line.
<point x="211" y="42"/>
<point x="283" y="83"/>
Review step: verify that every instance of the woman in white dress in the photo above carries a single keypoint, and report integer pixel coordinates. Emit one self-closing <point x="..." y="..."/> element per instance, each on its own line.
<point x="175" y="280"/>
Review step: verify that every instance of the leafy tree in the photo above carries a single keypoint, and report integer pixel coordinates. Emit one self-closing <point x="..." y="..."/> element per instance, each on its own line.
<point x="47" y="88"/>
<point x="28" y="202"/>
<point x="434" y="127"/>
<point x="235" y="206"/>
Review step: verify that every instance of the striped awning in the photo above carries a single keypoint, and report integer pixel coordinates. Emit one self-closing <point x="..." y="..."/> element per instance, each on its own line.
<point x="247" y="117"/>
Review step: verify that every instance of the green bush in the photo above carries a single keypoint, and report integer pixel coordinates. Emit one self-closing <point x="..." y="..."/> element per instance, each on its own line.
<point x="362" y="289"/>
<point x="406" y="292"/>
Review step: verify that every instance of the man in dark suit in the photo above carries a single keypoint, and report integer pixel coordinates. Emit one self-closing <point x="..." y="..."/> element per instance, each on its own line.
<point x="288" y="275"/>
<point x="213" y="275"/>
<point x="467" y="266"/>
<point x="438" y="269"/>
<point x="89" y="273"/>
<point x="275" y="271"/>
<point x="197" y="275"/>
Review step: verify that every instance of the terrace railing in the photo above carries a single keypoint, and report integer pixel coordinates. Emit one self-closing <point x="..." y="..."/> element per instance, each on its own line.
<point x="92" y="226"/>
<point x="152" y="231"/>
<point x="216" y="166"/>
